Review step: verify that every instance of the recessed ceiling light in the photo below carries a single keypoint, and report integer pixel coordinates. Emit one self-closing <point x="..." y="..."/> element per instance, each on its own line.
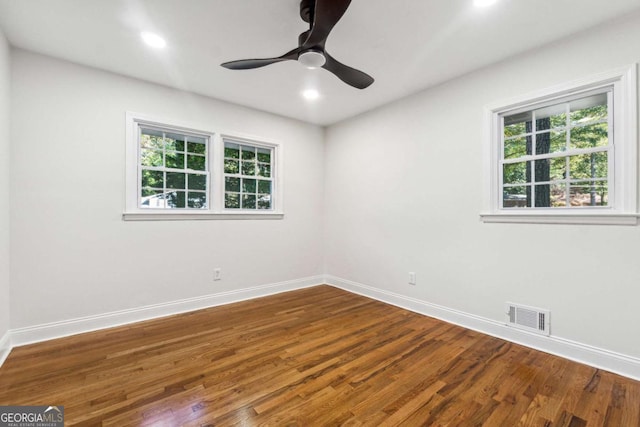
<point x="311" y="94"/>
<point x="484" y="3"/>
<point x="153" y="40"/>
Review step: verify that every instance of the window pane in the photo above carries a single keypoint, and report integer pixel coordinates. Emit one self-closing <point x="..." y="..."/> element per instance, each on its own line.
<point x="558" y="141"/>
<point x="231" y="150"/>
<point x="264" y="155"/>
<point x="248" y="201"/>
<point x="590" y="109"/>
<point x="231" y="166"/>
<point x="551" y="169"/>
<point x="517" y="124"/>
<point x="590" y="136"/>
<point x="248" y="168"/>
<point x="151" y="139"/>
<point x="543" y="196"/>
<point x="517" y="147"/>
<point x="197" y="182"/>
<point x="591" y="165"/>
<point x="558" y="168"/>
<point x="151" y="158"/>
<point x="152" y="199"/>
<point x="516" y="173"/>
<point x="232" y="200"/>
<point x="543" y="143"/>
<point x="558" y="120"/>
<point x="264" y="170"/>
<point x="264" y="201"/>
<point x="232" y="184"/>
<point x="551" y="195"/>
<point x="248" y="185"/>
<point x="516" y="197"/>
<point x="264" y="187"/>
<point x="552" y="117"/>
<point x="543" y="124"/>
<point x="153" y="179"/>
<point x="175" y="160"/>
<point x="151" y="132"/>
<point x="589" y="193"/>
<point x="197" y="163"/>
<point x="174" y="142"/>
<point x="197" y="200"/>
<point x="558" y="195"/>
<point x="196" y="147"/>
<point x="248" y="153"/>
<point x="176" y="180"/>
<point x="176" y="199"/>
<point x="542" y="170"/>
<point x="147" y="192"/>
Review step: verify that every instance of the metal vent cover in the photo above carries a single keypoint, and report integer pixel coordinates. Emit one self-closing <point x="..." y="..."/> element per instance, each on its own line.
<point x="528" y="318"/>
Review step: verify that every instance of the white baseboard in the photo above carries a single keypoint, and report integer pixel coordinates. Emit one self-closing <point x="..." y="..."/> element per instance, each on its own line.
<point x="621" y="364"/>
<point x="5" y="346"/>
<point x="38" y="333"/>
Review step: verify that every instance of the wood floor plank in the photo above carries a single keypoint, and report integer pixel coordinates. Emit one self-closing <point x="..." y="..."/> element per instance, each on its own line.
<point x="314" y="357"/>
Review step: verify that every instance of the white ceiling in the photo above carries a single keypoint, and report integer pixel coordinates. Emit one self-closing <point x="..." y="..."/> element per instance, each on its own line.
<point x="406" y="45"/>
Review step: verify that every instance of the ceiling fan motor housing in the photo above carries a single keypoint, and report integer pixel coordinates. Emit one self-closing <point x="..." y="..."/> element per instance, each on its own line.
<point x="312" y="58"/>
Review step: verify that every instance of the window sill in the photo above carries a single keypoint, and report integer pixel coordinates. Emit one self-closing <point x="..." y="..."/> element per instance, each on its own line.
<point x="190" y="216"/>
<point x="574" y="218"/>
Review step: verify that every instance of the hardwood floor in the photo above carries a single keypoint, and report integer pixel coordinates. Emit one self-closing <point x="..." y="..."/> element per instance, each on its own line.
<point x="318" y="356"/>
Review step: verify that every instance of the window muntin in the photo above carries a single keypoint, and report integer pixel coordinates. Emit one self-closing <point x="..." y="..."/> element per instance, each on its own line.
<point x="173" y="169"/>
<point x="248" y="176"/>
<point x="558" y="155"/>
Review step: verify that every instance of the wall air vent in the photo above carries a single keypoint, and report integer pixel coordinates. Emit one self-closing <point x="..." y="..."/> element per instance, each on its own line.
<point x="528" y="318"/>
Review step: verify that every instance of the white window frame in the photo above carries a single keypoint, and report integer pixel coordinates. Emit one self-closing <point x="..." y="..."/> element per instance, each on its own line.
<point x="215" y="187"/>
<point x="622" y="207"/>
<point x="275" y="172"/>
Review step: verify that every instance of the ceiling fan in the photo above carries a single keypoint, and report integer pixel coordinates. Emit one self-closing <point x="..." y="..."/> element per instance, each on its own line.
<point x="322" y="16"/>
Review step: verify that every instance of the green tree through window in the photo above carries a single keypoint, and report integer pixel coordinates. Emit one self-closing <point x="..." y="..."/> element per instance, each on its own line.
<point x="557" y="156"/>
<point x="173" y="170"/>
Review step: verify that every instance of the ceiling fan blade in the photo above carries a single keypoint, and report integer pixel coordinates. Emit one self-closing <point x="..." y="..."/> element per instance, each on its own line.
<point x="350" y="76"/>
<point x="327" y="13"/>
<point x="247" y="64"/>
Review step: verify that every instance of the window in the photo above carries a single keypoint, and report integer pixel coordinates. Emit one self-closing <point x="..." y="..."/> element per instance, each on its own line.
<point x="558" y="156"/>
<point x="173" y="169"/>
<point x="175" y="172"/>
<point x="565" y="155"/>
<point x="248" y="181"/>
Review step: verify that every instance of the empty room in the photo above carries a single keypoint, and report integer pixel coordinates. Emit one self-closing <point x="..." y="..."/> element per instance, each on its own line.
<point x="319" y="212"/>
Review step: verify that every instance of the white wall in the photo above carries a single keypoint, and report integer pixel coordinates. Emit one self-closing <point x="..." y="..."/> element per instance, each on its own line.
<point x="404" y="192"/>
<point x="5" y="78"/>
<point x="73" y="256"/>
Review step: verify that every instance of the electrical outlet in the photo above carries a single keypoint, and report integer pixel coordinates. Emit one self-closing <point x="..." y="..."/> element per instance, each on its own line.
<point x="412" y="278"/>
<point x="217" y="274"/>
